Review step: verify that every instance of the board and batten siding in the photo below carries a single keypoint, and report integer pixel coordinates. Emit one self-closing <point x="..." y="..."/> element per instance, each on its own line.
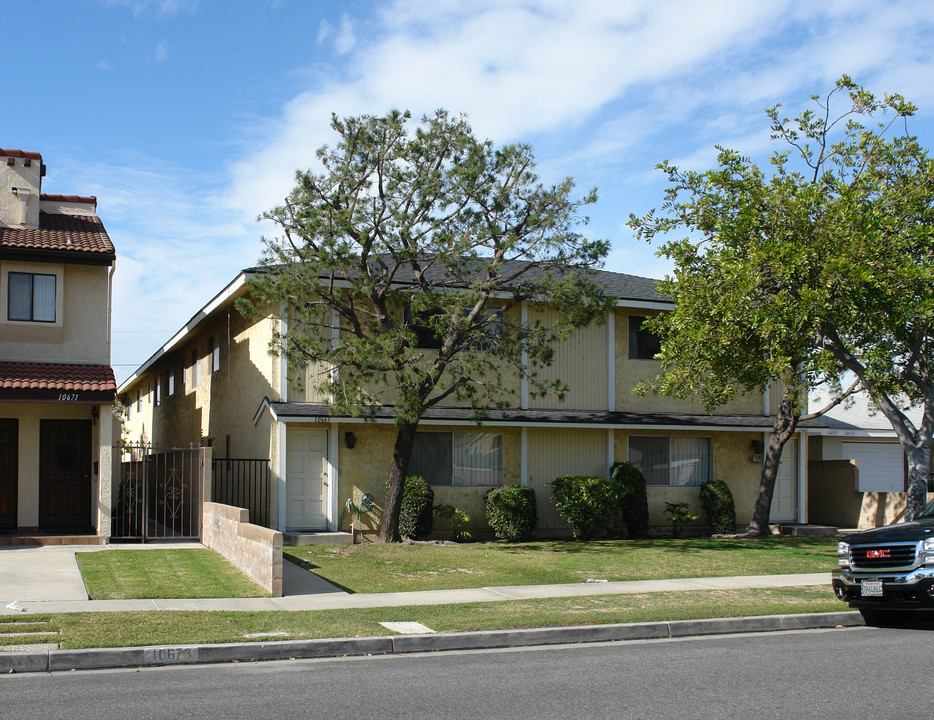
<point x="581" y="362"/>
<point x="562" y="451"/>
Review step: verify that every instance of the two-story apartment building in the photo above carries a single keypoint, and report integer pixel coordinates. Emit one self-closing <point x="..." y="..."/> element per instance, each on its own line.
<point x="56" y="384"/>
<point x="216" y="381"/>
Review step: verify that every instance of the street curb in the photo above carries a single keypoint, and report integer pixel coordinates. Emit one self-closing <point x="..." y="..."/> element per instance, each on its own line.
<point x="103" y="658"/>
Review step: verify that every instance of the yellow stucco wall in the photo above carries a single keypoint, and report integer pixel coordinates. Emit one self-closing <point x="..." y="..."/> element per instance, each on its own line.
<point x="79" y="333"/>
<point x="630" y="372"/>
<point x="365" y="468"/>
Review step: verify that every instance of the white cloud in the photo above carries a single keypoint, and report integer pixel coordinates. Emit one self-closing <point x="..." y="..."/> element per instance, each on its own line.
<point x="162" y="51"/>
<point x="161" y="7"/>
<point x="345" y="40"/>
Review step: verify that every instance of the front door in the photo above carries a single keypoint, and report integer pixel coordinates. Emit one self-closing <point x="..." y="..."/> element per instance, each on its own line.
<point x="306" y="479"/>
<point x="9" y="475"/>
<point x="65" y="475"/>
<point x="784" y="497"/>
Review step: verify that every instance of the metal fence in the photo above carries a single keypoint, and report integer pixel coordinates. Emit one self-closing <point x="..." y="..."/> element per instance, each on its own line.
<point x="243" y="483"/>
<point x="158" y="494"/>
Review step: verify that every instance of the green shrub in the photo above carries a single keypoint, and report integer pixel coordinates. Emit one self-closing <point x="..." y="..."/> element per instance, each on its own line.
<point x="680" y="515"/>
<point x="717" y="500"/>
<point x="415" y="515"/>
<point x="585" y="503"/>
<point x="512" y="512"/>
<point x="629" y="483"/>
<point x="456" y="518"/>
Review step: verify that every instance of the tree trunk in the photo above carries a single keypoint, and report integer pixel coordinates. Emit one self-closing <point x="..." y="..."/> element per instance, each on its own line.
<point x="401" y="453"/>
<point x="782" y="429"/>
<point x="919" y="461"/>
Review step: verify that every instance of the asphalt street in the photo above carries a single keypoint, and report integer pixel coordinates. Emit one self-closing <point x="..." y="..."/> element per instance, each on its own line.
<point x="852" y="672"/>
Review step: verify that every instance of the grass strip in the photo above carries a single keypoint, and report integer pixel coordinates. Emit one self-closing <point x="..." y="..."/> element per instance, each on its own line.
<point x="195" y="573"/>
<point x="119" y="629"/>
<point x="372" y="568"/>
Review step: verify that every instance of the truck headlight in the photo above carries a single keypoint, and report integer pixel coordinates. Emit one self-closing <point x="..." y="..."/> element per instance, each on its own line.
<point x="843" y="554"/>
<point x="927" y="551"/>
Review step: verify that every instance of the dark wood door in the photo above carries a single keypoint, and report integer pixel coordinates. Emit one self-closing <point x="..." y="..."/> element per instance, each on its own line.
<point x="65" y="475"/>
<point x="9" y="475"/>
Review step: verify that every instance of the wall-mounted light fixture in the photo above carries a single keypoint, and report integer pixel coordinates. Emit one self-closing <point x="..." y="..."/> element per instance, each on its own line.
<point x="95" y="413"/>
<point x="350" y="440"/>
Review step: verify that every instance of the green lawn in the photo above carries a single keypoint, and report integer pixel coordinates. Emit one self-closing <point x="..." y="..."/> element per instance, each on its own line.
<point x="119" y="629"/>
<point x="369" y="568"/>
<point x="197" y="573"/>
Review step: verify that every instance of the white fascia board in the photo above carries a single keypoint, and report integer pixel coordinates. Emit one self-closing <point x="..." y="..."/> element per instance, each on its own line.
<point x="217" y="301"/>
<point x="854" y="432"/>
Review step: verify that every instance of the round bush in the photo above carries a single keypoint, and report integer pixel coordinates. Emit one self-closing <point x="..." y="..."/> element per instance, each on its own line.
<point x="629" y="483"/>
<point x="512" y="512"/>
<point x="416" y="517"/>
<point x="585" y="503"/>
<point x="717" y="501"/>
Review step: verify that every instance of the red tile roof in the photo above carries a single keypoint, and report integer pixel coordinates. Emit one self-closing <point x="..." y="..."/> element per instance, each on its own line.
<point x="20" y="154"/>
<point x="91" y="200"/>
<point x="53" y="376"/>
<point x="70" y="233"/>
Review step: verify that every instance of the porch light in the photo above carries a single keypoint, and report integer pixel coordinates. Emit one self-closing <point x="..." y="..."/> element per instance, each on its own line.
<point x="350" y="440"/>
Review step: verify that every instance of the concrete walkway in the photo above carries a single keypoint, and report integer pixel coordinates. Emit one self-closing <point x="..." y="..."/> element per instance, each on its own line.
<point x="46" y="580"/>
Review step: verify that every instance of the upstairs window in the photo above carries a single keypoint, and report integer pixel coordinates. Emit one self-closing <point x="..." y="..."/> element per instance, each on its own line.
<point x="643" y="345"/>
<point x="215" y="356"/>
<point x="195" y="369"/>
<point x="31" y="297"/>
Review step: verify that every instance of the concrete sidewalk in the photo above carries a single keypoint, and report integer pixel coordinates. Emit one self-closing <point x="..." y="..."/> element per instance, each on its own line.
<point x="46" y="580"/>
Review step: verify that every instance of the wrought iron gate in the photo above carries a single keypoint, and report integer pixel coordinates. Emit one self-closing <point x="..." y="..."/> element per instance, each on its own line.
<point x="159" y="493"/>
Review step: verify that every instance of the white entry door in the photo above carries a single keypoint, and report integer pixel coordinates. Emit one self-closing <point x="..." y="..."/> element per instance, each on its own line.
<point x="306" y="479"/>
<point x="784" y="497"/>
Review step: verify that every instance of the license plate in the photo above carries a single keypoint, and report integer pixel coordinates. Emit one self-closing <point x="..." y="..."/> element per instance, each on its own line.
<point x="870" y="588"/>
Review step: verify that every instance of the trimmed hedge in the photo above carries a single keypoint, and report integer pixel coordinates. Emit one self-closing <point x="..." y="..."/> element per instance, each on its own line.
<point x="586" y="503"/>
<point x="717" y="501"/>
<point x="416" y="517"/>
<point x="629" y="483"/>
<point x="512" y="512"/>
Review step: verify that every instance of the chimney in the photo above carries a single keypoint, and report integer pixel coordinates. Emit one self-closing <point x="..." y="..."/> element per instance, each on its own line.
<point x="20" y="184"/>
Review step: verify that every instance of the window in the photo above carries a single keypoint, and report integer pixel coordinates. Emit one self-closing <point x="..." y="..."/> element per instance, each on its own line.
<point x="195" y="369"/>
<point x="420" y="323"/>
<point x="643" y="345"/>
<point x="139" y="401"/>
<point x="158" y="396"/>
<point x="467" y="459"/>
<point x="31" y="297"/>
<point x="170" y="382"/>
<point x="215" y="351"/>
<point x="672" y="460"/>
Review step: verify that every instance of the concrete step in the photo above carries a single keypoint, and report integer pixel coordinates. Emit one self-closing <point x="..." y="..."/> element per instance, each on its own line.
<point x="18" y="539"/>
<point x="297" y="538"/>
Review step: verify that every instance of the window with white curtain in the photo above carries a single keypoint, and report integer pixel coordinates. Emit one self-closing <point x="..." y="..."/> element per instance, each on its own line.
<point x="465" y="459"/>
<point x="31" y="297"/>
<point x="676" y="461"/>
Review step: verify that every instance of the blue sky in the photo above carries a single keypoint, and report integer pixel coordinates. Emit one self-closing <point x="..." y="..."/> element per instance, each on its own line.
<point x="188" y="118"/>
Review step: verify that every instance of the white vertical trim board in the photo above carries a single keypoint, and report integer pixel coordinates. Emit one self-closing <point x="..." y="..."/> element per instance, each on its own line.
<point x="610" y="450"/>
<point x="283" y="455"/>
<point x="283" y="363"/>
<point x="802" y="475"/>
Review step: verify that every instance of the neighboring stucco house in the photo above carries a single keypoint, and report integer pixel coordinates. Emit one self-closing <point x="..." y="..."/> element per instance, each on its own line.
<point x="216" y="381"/>
<point x="56" y="384"/>
<point x="858" y="471"/>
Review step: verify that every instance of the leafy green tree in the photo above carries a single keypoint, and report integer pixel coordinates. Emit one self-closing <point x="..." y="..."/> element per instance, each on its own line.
<point x="757" y="285"/>
<point x="404" y="263"/>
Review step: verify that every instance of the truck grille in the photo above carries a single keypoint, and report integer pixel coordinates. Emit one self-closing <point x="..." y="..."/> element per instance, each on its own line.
<point x="877" y="557"/>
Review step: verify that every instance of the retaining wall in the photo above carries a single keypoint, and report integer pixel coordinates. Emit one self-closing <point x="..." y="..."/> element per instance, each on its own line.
<point x="256" y="550"/>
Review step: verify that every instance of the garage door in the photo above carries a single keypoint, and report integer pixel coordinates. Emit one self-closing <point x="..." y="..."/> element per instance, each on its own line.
<point x="881" y="465"/>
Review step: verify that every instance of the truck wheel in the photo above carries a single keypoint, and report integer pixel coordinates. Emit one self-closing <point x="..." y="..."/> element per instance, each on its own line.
<point x="886" y="618"/>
